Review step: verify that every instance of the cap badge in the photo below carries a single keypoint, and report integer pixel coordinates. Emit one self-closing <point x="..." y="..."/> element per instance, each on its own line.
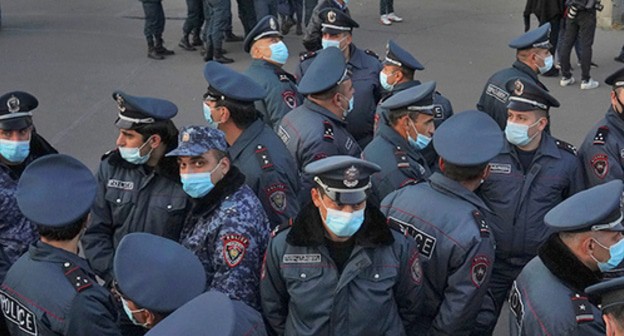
<point x="121" y="104"/>
<point x="351" y="177"/>
<point x="272" y="24"/>
<point x="518" y="87"/>
<point x="13" y="104"/>
<point x="186" y="137"/>
<point x="331" y="16"/>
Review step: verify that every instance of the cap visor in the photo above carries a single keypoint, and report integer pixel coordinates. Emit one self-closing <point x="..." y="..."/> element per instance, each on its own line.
<point x="15" y="123"/>
<point x="351" y="198"/>
<point x="187" y="151"/>
<point x="125" y="124"/>
<point x="522" y="107"/>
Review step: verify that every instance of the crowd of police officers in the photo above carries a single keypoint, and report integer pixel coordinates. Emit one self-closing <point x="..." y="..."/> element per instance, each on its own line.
<point x="348" y="200"/>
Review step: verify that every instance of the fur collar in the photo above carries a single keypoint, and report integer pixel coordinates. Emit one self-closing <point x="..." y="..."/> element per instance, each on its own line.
<point x="307" y="228"/>
<point x="558" y="258"/>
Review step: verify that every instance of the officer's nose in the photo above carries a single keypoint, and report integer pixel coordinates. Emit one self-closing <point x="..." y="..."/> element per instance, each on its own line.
<point x="120" y="141"/>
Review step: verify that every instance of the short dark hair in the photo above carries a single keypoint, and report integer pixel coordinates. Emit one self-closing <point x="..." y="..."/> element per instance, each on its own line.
<point x="617" y="312"/>
<point x="243" y="114"/>
<point x="463" y="173"/>
<point x="327" y="94"/>
<point x="395" y="115"/>
<point x="64" y="233"/>
<point x="407" y="73"/>
<point x="166" y="129"/>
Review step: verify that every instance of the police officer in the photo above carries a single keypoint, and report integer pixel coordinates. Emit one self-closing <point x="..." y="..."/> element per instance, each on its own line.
<point x="269" y="169"/>
<point x="533" y="173"/>
<point x="216" y="16"/>
<point x="51" y="290"/>
<point x="339" y="269"/>
<point x="317" y="129"/>
<point x="20" y="144"/>
<point x="611" y="304"/>
<point x="364" y="65"/>
<point x="227" y="228"/>
<point x="212" y="314"/>
<point x="192" y="24"/>
<point x="139" y="189"/>
<point x="446" y="218"/>
<point x="312" y="34"/>
<point x="269" y="54"/>
<point x="532" y="57"/>
<point x="154" y="28"/>
<point x="407" y="128"/>
<point x="397" y="75"/>
<point x="155" y="276"/>
<point x="548" y="296"/>
<point x="600" y="153"/>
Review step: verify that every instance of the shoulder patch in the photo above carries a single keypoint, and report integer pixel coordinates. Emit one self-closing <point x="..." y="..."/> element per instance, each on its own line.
<point x="234" y="248"/>
<point x="416" y="272"/>
<point x="264" y="158"/>
<point x="497" y="93"/>
<point x="328" y="133"/>
<point x="566" y="146"/>
<point x="601" y="135"/>
<point x="484" y="229"/>
<point x="307" y="55"/>
<point x="425" y="242"/>
<point x="371" y="53"/>
<point x="17" y="313"/>
<point x="276" y="193"/>
<point x="516" y="305"/>
<point x="479" y="269"/>
<point x="600" y="165"/>
<point x="76" y="276"/>
<point x="281" y="228"/>
<point x="582" y="309"/>
<point x="401" y="157"/>
<point x="290" y="98"/>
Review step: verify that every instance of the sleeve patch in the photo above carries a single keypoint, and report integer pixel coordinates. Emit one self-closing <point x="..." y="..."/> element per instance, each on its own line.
<point x="416" y="273"/>
<point x="600" y="165"/>
<point x="497" y="93"/>
<point x="76" y="276"/>
<point x="425" y="242"/>
<point x="601" y="135"/>
<point x="582" y="309"/>
<point x="484" y="229"/>
<point x="290" y="99"/>
<point x="276" y="194"/>
<point x="264" y="159"/>
<point x="234" y="248"/>
<point x="479" y="270"/>
<point x="516" y="305"/>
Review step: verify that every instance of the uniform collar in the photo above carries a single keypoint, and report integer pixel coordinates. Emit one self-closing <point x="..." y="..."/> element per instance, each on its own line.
<point x="41" y="251"/>
<point x="527" y="69"/>
<point x="390" y="134"/>
<point x="357" y="57"/>
<point x="448" y="186"/>
<point x="230" y="183"/>
<point x="307" y="228"/>
<point x="547" y="147"/>
<point x="244" y="140"/>
<point x="314" y="107"/>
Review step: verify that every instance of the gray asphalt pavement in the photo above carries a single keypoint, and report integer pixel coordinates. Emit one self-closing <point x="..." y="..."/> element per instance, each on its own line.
<point x="72" y="54"/>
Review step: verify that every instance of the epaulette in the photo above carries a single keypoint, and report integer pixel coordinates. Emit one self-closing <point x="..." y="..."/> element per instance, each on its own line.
<point x="307" y="55"/>
<point x="76" y="276"/>
<point x="401" y="158"/>
<point x="107" y="154"/>
<point x="328" y="133"/>
<point x="264" y="159"/>
<point x="371" y="53"/>
<point x="566" y="146"/>
<point x="284" y="76"/>
<point x="280" y="228"/>
<point x="582" y="309"/>
<point x="484" y="229"/>
<point x="601" y="135"/>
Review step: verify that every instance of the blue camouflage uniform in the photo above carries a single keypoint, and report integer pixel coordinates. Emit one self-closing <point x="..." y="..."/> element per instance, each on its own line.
<point x="133" y="197"/>
<point x="306" y="290"/>
<point x="442" y="108"/>
<point x="311" y="132"/>
<point x="495" y="97"/>
<point x="548" y="297"/>
<point x="280" y="86"/>
<point x="209" y="314"/>
<point x="520" y="196"/>
<point x="16" y="231"/>
<point x="49" y="290"/>
<point x="227" y="228"/>
<point x="401" y="163"/>
<point x="447" y="221"/>
<point x="269" y="169"/>
<point x="364" y="66"/>
<point x="602" y="151"/>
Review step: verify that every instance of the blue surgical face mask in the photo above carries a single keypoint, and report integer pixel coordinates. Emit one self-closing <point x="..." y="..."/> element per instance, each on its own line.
<point x="349" y="108"/>
<point x="133" y="154"/>
<point x="518" y="134"/>
<point x="14" y="151"/>
<point x="383" y="79"/>
<point x="208" y="116"/>
<point x="342" y="223"/>
<point x="326" y="43"/>
<point x="198" y="185"/>
<point x="616" y="251"/>
<point x="130" y="312"/>
<point x="421" y="141"/>
<point x="279" y="52"/>
<point x="548" y="64"/>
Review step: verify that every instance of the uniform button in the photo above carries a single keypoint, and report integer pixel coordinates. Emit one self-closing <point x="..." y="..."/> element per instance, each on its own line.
<point x="169" y="206"/>
<point x="303" y="275"/>
<point x="66" y="264"/>
<point x="376" y="276"/>
<point x="119" y="200"/>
